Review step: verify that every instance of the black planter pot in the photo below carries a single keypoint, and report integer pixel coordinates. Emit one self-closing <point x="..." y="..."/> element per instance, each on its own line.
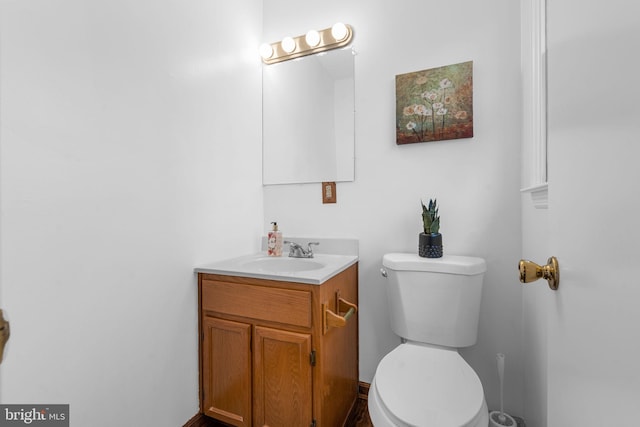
<point x="430" y="245"/>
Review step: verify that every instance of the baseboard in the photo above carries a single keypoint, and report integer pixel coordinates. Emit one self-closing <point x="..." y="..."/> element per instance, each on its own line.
<point x="198" y="420"/>
<point x="363" y="390"/>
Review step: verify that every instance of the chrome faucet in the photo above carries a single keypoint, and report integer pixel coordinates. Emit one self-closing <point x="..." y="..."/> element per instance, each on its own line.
<point x="297" y="251"/>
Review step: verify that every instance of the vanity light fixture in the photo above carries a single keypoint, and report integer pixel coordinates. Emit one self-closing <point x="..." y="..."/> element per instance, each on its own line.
<point x="338" y="35"/>
<point x="312" y="38"/>
<point x="266" y="51"/>
<point x="288" y="44"/>
<point x="339" y="31"/>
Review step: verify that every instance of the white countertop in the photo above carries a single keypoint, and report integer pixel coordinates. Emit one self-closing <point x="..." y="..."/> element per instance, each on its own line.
<point x="322" y="267"/>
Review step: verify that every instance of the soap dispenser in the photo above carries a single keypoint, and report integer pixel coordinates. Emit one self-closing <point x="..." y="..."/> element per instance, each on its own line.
<point x="274" y="241"/>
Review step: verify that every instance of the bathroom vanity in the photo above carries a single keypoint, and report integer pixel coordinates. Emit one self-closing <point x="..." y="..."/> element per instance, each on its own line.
<point x="278" y="347"/>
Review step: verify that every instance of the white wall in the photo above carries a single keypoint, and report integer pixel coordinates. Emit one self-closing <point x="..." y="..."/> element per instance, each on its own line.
<point x="130" y="152"/>
<point x="476" y="180"/>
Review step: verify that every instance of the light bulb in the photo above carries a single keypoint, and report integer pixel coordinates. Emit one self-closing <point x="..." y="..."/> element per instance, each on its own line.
<point x="312" y="38"/>
<point x="266" y="51"/>
<point x="288" y="44"/>
<point x="339" y="31"/>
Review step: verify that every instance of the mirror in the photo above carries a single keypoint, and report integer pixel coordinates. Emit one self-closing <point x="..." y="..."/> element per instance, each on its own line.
<point x="308" y="119"/>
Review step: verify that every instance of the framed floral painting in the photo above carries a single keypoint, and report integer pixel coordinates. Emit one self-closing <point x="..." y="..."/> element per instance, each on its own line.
<point x="435" y="104"/>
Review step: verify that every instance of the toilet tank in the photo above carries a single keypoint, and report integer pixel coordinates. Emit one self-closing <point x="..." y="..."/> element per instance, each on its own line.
<point x="434" y="300"/>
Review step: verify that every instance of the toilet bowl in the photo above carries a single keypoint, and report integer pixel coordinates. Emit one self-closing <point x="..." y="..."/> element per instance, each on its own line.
<point x="434" y="307"/>
<point x="421" y="385"/>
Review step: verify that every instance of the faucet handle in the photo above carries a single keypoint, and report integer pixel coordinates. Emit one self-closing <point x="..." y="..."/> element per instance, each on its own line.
<point x="309" y="248"/>
<point x="295" y="250"/>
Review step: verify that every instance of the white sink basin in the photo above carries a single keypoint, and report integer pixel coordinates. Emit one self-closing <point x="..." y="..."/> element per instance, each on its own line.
<point x="282" y="265"/>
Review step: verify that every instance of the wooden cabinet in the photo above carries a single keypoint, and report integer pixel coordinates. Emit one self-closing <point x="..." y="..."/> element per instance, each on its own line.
<point x="276" y="353"/>
<point x="226" y="370"/>
<point x="282" y="384"/>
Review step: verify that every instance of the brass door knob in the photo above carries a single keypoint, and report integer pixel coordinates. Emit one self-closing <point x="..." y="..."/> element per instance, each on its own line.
<point x="530" y="272"/>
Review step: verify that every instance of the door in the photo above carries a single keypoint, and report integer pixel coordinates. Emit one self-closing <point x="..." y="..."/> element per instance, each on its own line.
<point x="282" y="378"/>
<point x="226" y="371"/>
<point x="593" y="323"/>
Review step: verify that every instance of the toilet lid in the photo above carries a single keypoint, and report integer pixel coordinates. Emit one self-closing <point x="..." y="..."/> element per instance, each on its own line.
<point x="429" y="386"/>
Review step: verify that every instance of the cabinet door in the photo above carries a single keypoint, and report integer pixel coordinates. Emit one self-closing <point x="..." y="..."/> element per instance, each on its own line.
<point x="226" y="371"/>
<point x="282" y="378"/>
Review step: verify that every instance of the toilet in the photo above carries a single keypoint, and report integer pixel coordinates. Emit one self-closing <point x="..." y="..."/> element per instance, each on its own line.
<point x="434" y="305"/>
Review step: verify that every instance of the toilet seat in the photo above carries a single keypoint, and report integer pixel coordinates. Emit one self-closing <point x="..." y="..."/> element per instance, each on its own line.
<point x="420" y="385"/>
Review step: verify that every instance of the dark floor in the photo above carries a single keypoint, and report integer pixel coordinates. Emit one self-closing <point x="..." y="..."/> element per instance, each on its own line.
<point x="358" y="418"/>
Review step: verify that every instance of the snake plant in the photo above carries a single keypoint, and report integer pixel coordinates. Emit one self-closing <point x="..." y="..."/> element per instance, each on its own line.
<point x="430" y="217"/>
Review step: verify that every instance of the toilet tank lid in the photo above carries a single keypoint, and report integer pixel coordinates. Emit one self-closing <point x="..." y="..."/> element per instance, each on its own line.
<point x="451" y="264"/>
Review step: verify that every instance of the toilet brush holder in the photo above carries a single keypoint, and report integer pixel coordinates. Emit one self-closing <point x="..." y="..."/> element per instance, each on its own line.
<point x="499" y="418"/>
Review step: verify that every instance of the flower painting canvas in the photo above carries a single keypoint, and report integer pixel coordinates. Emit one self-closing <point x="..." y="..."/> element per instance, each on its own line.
<point x="435" y="104"/>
